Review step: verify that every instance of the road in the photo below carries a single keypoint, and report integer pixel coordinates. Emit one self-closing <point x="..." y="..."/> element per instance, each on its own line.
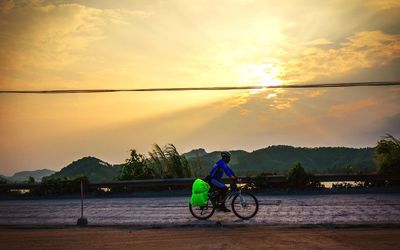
<point x="338" y="209"/>
<point x="252" y="237"/>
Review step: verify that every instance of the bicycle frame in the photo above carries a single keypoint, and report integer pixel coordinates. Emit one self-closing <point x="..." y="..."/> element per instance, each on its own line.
<point x="230" y="194"/>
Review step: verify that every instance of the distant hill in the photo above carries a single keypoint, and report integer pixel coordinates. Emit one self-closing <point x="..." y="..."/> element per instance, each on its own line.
<point x="195" y="153"/>
<point x="95" y="169"/>
<point x="278" y="159"/>
<point x="24" y="175"/>
<point x="273" y="159"/>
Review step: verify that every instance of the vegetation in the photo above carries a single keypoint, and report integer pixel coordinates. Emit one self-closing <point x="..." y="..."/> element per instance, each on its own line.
<point x="31" y="180"/>
<point x="3" y="180"/>
<point x="163" y="163"/>
<point x="279" y="159"/>
<point x="297" y="177"/>
<point x="166" y="162"/>
<point x="387" y="155"/>
<point x="259" y="182"/>
<point x="136" y="168"/>
<point x="57" y="186"/>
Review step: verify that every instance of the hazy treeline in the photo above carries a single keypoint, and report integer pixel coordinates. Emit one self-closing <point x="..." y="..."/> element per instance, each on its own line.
<point x="167" y="162"/>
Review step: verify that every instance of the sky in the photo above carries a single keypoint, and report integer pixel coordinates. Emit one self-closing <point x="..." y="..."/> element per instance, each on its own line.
<point x="93" y="44"/>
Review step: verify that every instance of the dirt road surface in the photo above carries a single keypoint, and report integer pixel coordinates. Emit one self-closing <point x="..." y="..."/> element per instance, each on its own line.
<point x="249" y="237"/>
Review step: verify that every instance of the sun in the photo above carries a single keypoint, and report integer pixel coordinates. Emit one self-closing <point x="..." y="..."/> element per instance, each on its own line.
<point x="261" y="75"/>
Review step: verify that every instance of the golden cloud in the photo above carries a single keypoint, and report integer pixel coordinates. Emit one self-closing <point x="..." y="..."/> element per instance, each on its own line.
<point x="43" y="37"/>
<point x="351" y="107"/>
<point x="319" y="41"/>
<point x="383" y="4"/>
<point x="363" y="50"/>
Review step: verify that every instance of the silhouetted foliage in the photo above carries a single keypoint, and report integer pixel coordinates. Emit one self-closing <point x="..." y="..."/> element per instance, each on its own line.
<point x="297" y="177"/>
<point x="387" y="155"/>
<point x="135" y="168"/>
<point x="162" y="163"/>
<point x="260" y="182"/>
<point x="3" y="180"/>
<point x="63" y="185"/>
<point x="31" y="180"/>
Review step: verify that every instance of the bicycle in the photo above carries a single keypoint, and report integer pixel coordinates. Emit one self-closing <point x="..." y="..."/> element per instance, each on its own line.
<point x="244" y="204"/>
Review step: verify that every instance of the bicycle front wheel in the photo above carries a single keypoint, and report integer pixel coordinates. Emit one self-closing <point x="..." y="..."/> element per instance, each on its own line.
<point x="202" y="212"/>
<point x="244" y="205"/>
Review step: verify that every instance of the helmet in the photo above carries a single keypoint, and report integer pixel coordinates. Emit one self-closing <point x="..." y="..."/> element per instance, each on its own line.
<point x="225" y="154"/>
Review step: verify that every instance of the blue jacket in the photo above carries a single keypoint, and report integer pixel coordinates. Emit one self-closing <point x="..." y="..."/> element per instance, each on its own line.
<point x="219" y="168"/>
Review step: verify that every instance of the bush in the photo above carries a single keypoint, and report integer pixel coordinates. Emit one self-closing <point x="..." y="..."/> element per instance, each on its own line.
<point x="260" y="182"/>
<point x="57" y="186"/>
<point x="136" y="168"/>
<point x="3" y="180"/>
<point x="298" y="178"/>
<point x="31" y="180"/>
<point x="163" y="162"/>
<point x="387" y="156"/>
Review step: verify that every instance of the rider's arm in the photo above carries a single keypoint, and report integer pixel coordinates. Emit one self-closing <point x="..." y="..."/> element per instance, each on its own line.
<point x="228" y="171"/>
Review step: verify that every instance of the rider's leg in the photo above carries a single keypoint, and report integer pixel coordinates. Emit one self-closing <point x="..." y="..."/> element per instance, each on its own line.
<point x="222" y="193"/>
<point x="222" y="189"/>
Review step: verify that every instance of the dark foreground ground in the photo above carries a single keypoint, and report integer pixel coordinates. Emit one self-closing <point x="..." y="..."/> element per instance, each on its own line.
<point x="249" y="237"/>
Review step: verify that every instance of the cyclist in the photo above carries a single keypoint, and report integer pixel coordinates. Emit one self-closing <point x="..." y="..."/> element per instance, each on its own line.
<point x="216" y="174"/>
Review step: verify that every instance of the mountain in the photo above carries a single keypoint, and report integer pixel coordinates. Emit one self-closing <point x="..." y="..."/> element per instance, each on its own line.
<point x="195" y="153"/>
<point x="36" y="174"/>
<point x="278" y="159"/>
<point x="95" y="169"/>
<point x="273" y="159"/>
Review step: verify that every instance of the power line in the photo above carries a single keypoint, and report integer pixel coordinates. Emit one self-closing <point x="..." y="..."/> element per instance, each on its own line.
<point x="297" y="86"/>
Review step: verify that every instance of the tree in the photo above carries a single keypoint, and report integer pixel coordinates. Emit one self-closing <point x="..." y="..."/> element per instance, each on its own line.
<point x="61" y="185"/>
<point x="3" y="180"/>
<point x="297" y="177"/>
<point x="31" y="180"/>
<point x="136" y="168"/>
<point x="387" y="155"/>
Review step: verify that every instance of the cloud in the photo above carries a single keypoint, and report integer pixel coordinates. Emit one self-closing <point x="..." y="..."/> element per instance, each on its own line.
<point x="351" y="107"/>
<point x="41" y="40"/>
<point x="6" y="6"/>
<point x="319" y="41"/>
<point x="315" y="93"/>
<point x="391" y="125"/>
<point x="365" y="49"/>
<point x="383" y="4"/>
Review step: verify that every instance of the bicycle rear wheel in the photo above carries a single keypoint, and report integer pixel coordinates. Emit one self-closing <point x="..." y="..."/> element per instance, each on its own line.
<point x="202" y="212"/>
<point x="244" y="205"/>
